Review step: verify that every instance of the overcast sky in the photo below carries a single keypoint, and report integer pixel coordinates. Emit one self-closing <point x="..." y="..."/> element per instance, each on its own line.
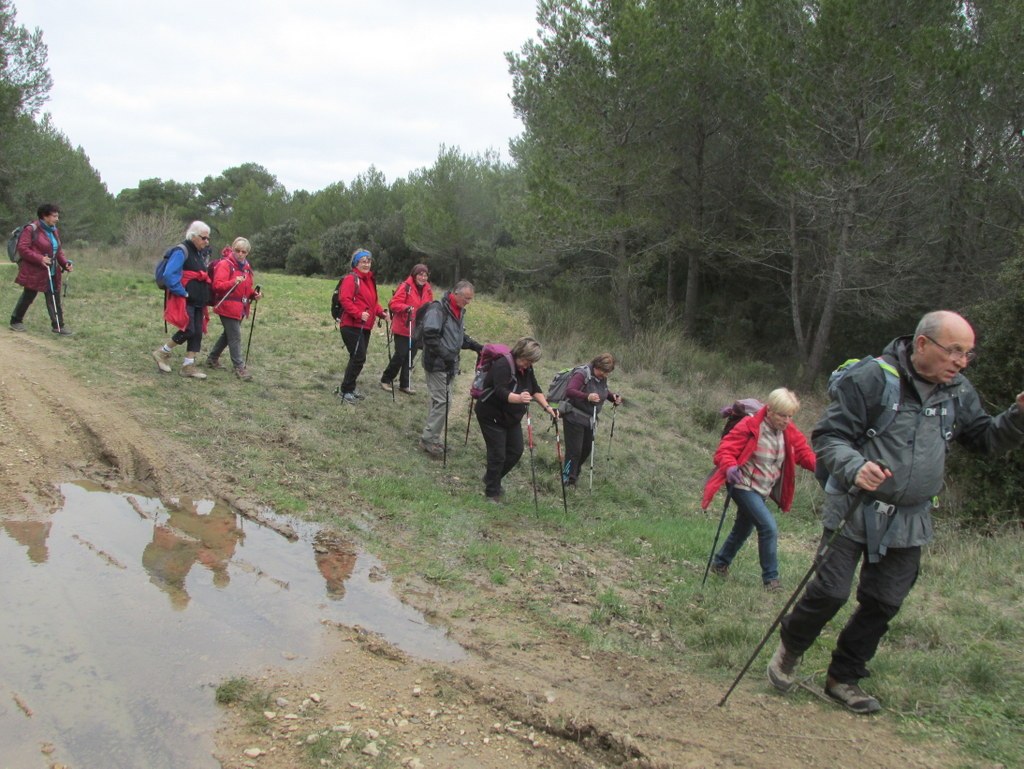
<point x="316" y="91"/>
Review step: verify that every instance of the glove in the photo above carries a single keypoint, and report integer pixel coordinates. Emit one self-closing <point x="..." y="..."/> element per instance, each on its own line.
<point x="734" y="475"/>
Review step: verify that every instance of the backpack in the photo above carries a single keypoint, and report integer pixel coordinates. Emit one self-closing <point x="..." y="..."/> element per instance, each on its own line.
<point x="417" y="324"/>
<point x="737" y="411"/>
<point x="336" y="309"/>
<point x="12" y="241"/>
<point x="489" y="354"/>
<point x="161" y="266"/>
<point x="560" y="383"/>
<point x="889" y="407"/>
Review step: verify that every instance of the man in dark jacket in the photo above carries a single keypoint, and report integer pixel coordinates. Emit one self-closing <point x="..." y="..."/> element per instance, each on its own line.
<point x="444" y="336"/>
<point x="884" y="487"/>
<point x="41" y="263"/>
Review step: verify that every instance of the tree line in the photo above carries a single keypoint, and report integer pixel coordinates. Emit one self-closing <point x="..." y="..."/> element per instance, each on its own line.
<point x="772" y="175"/>
<point x="797" y="179"/>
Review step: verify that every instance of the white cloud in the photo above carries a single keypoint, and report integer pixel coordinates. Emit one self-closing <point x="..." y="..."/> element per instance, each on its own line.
<point x="316" y="91"/>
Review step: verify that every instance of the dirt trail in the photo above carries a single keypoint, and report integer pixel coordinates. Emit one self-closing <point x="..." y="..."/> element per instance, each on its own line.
<point x="550" y="703"/>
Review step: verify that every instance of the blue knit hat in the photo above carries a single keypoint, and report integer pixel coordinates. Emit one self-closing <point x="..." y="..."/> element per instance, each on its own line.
<point x="362" y="253"/>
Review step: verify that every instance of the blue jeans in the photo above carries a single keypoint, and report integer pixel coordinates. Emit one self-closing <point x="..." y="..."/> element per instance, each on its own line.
<point x="751" y="513"/>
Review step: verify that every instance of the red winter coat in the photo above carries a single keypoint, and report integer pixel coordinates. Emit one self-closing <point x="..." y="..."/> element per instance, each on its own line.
<point x="739" y="445"/>
<point x="34" y="245"/>
<point x="174" y="310"/>
<point x="408" y="296"/>
<point x="358" y="295"/>
<point x="236" y="303"/>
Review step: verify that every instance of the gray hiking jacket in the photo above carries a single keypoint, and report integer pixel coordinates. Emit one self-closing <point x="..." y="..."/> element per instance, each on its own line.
<point x="444" y="336"/>
<point x="913" y="447"/>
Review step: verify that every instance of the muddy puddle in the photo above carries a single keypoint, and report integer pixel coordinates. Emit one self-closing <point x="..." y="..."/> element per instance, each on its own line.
<point x="121" y="614"/>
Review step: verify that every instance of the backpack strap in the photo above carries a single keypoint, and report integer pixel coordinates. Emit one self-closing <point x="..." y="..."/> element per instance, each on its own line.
<point x="890" y="401"/>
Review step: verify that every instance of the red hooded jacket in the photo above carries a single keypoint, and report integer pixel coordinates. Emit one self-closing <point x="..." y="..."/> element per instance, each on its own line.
<point x="739" y="445"/>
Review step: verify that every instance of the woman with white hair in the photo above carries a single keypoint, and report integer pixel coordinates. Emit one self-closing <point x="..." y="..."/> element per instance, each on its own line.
<point x="757" y="459"/>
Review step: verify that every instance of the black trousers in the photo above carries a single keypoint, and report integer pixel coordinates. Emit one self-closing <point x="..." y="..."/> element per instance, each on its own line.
<point x="192" y="336"/>
<point x="504" y="449"/>
<point x="356" y="341"/>
<point x="54" y="308"/>
<point x="399" y="363"/>
<point x="881" y="590"/>
<point x="579" y="440"/>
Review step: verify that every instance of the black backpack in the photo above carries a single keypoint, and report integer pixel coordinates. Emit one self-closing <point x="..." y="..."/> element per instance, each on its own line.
<point x="336" y="309"/>
<point x="417" y="324"/>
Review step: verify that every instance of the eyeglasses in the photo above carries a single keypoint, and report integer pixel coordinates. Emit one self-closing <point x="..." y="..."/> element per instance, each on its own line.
<point x="954" y="352"/>
<point x="204" y="237"/>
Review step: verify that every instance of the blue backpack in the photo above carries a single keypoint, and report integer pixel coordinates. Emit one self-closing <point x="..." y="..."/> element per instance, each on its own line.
<point x="161" y="266"/>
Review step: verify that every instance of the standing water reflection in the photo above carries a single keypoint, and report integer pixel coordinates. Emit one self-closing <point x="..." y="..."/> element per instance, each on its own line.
<point x="122" y="614"/>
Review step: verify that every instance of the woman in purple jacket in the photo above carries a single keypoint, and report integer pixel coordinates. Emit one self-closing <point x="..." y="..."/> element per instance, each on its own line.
<point x="584" y="397"/>
<point x="41" y="263"/>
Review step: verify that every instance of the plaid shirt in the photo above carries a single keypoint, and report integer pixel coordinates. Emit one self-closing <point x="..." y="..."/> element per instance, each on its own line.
<point x="764" y="467"/>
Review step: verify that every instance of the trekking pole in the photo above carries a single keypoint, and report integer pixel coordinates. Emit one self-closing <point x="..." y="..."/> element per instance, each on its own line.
<point x="593" y="445"/>
<point x="412" y="329"/>
<point x="226" y="295"/>
<point x="387" y="334"/>
<point x="66" y="282"/>
<point x="611" y="435"/>
<point x="165" y="310"/>
<point x="447" y="398"/>
<point x="561" y="465"/>
<point x="251" y="325"/>
<point x="53" y="298"/>
<point x="718" y="533"/>
<point x="469" y="418"/>
<point x="819" y="559"/>
<point x="533" y="467"/>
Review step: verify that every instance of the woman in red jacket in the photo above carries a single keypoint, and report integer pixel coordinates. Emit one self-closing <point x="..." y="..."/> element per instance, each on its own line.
<point x="758" y="459"/>
<point x="411" y="294"/>
<point x="39" y="269"/>
<point x="233" y="292"/>
<point x="359" y="306"/>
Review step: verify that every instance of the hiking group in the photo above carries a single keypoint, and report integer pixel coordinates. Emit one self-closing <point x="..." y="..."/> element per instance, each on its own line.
<point x="879" y="450"/>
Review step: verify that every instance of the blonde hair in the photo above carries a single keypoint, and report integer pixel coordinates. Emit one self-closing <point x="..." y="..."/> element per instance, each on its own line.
<point x="241" y="242"/>
<point x="527" y="349"/>
<point x="783" y="401"/>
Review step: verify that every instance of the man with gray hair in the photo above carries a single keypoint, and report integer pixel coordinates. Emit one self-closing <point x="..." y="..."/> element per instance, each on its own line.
<point x="187" y="294"/>
<point x="883" y="484"/>
<point x="444" y="336"/>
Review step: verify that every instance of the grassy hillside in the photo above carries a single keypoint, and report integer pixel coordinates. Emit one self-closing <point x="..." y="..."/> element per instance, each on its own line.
<point x="950" y="666"/>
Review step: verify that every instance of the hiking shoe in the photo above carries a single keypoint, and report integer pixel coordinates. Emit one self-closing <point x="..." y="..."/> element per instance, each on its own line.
<point x="720" y="570"/>
<point x="18" y="327"/>
<point x="350" y="398"/>
<point x="212" y="362"/>
<point x="852" y="697"/>
<point x="63" y="331"/>
<point x="434" y="449"/>
<point x="407" y="390"/>
<point x="243" y="373"/>
<point x="192" y="370"/>
<point x="163" y="360"/>
<point x="773" y="586"/>
<point x="387" y="387"/>
<point x="358" y="395"/>
<point x="782" y="668"/>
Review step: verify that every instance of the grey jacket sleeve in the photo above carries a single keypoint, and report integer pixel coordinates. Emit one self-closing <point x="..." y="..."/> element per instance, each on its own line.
<point x="980" y="432"/>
